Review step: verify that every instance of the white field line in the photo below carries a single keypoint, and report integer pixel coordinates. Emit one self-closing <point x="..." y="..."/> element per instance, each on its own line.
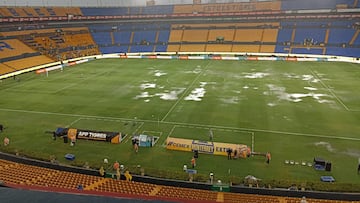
<point x="326" y="87"/>
<point x="157" y="132"/>
<point x="20" y="83"/>
<point x="31" y="91"/>
<point x="160" y="134"/>
<point x="47" y="92"/>
<point x="171" y="131"/>
<point x="185" y="92"/>
<point x="72" y="123"/>
<point x="216" y="129"/>
<point x="184" y="124"/>
<point x="104" y="119"/>
<point x="136" y="130"/>
<point x="74" y="84"/>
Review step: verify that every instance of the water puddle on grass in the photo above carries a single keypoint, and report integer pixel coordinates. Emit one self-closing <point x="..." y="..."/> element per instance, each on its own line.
<point x="159" y="73"/>
<point x="166" y="95"/>
<point x="255" y="75"/>
<point x="147" y="85"/>
<point x="295" y="97"/>
<point x="330" y="148"/>
<point x="198" y="93"/>
<point x="171" y="95"/>
<point x="326" y="145"/>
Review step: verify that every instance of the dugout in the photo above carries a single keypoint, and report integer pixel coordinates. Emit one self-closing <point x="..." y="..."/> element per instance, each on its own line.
<point x="145" y="140"/>
<point x="321" y="164"/>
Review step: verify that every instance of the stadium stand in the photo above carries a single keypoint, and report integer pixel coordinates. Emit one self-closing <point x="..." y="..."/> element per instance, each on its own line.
<point x="323" y="37"/>
<point x="297" y="36"/>
<point x="234" y="197"/>
<point x="225" y="8"/>
<point x="149" y="10"/>
<point x="191" y="194"/>
<point x="59" y="43"/>
<point x="39" y="11"/>
<point x="13" y="47"/>
<point x="241" y="37"/>
<point x="309" y="4"/>
<point x="131" y="38"/>
<point x="28" y="62"/>
<point x="15" y="55"/>
<point x="4" y="69"/>
<point x="23" y="174"/>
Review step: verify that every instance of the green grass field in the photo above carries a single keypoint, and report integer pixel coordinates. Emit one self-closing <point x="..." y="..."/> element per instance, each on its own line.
<point x="296" y="111"/>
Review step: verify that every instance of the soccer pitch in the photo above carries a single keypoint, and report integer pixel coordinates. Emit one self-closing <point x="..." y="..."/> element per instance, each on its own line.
<point x="295" y="110"/>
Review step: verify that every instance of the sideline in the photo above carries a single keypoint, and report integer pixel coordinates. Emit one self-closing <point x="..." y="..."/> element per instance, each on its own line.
<point x="184" y="124"/>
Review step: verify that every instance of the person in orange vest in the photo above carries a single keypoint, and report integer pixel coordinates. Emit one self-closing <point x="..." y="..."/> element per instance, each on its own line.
<point x="116" y="165"/>
<point x="193" y="162"/>
<point x="248" y="151"/>
<point x="268" y="157"/>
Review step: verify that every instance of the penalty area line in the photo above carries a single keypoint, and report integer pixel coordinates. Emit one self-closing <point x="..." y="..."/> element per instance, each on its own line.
<point x="72" y="123"/>
<point x="136" y="130"/>
<point x="171" y="131"/>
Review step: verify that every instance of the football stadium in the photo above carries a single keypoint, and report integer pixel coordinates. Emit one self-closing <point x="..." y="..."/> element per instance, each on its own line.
<point x="180" y="101"/>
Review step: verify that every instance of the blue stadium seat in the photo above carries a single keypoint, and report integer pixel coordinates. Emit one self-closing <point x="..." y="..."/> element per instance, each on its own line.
<point x="317" y="34"/>
<point x="114" y="49"/>
<point x="338" y="51"/>
<point x="141" y="48"/>
<point x="282" y="49"/>
<point x="160" y="48"/>
<point x="149" y="36"/>
<point x="311" y="4"/>
<point x="164" y="36"/>
<point x="340" y="35"/>
<point x="105" y="11"/>
<point x="122" y="37"/>
<point x="306" y="51"/>
<point x="357" y="40"/>
<point x="135" y="11"/>
<point x="161" y="9"/>
<point x="284" y="35"/>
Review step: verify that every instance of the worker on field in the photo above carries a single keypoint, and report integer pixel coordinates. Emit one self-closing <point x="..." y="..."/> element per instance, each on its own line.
<point x="229" y="152"/>
<point x="235" y="154"/>
<point x="268" y="157"/>
<point x="6" y="141"/>
<point x="248" y="152"/>
<point x="128" y="176"/>
<point x="136" y="147"/>
<point x="73" y="141"/>
<point x="118" y="174"/>
<point x="116" y="165"/>
<point x="102" y="171"/>
<point x="193" y="162"/>
<point x="211" y="135"/>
